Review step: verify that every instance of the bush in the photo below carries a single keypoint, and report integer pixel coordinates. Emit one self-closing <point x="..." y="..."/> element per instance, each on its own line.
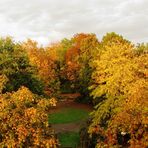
<point x="23" y="120"/>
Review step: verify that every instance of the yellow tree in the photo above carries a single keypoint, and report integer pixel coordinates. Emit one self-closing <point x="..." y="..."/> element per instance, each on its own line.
<point x="132" y="117"/>
<point x="118" y="72"/>
<point x="114" y="63"/>
<point x="24" y="120"/>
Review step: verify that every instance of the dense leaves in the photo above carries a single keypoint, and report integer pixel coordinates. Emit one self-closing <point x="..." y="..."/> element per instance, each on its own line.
<point x="14" y="64"/>
<point x="89" y="48"/>
<point x="120" y="87"/>
<point x="111" y="73"/>
<point x="44" y="59"/>
<point x="3" y="81"/>
<point x="23" y="120"/>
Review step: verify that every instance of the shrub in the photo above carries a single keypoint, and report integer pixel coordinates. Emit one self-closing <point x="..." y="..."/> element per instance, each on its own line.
<point x="23" y="120"/>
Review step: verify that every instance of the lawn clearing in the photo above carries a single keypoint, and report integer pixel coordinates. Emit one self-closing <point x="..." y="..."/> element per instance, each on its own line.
<point x="69" y="139"/>
<point x="68" y="115"/>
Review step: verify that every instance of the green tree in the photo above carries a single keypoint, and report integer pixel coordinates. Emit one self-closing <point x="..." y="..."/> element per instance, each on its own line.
<point x="88" y="50"/>
<point x="14" y="64"/>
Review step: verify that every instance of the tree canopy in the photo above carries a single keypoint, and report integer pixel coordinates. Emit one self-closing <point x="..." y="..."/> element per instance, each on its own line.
<point x="111" y="74"/>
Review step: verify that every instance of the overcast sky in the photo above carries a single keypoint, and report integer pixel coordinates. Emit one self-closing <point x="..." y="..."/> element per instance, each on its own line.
<point x="51" y="20"/>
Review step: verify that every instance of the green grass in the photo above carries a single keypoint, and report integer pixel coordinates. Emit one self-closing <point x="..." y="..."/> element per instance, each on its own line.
<point x="70" y="139"/>
<point x="68" y="115"/>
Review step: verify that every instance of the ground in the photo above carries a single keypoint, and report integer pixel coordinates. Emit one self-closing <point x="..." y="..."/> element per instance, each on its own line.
<point x="67" y="118"/>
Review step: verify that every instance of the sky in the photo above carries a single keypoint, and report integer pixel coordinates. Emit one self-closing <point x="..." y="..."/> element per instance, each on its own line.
<point x="48" y="21"/>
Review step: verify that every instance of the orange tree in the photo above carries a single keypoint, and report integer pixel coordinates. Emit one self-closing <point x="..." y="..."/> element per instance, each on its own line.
<point x="44" y="59"/>
<point x="119" y="80"/>
<point x="23" y="120"/>
<point x="72" y="54"/>
<point x="70" y="65"/>
<point x="77" y="57"/>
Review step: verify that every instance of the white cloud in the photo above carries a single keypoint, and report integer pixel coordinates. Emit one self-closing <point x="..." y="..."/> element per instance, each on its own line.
<point x="52" y="20"/>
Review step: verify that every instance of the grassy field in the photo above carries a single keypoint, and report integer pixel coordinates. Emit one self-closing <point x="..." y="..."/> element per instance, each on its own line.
<point x="65" y="116"/>
<point x="69" y="139"/>
<point x="68" y="115"/>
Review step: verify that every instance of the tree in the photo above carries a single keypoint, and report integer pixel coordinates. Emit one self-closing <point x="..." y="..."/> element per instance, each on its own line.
<point x="88" y="50"/>
<point x="112" y="65"/>
<point x="119" y="82"/>
<point x="24" y="121"/>
<point x="14" y="64"/>
<point x="44" y="61"/>
<point x="72" y="54"/>
<point x="72" y="66"/>
<point x="3" y="81"/>
<point x="142" y="48"/>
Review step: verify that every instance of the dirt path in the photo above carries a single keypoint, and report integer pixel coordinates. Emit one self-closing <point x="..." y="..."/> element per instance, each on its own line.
<point x="69" y="127"/>
<point x="69" y="104"/>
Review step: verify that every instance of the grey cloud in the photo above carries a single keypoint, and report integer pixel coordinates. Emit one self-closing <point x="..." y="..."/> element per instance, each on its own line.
<point x="52" y="20"/>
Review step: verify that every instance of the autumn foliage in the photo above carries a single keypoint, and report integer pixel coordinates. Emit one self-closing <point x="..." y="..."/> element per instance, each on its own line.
<point x="111" y="74"/>
<point x="72" y="64"/>
<point x="120" y="87"/>
<point x="44" y="61"/>
<point x="23" y="120"/>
